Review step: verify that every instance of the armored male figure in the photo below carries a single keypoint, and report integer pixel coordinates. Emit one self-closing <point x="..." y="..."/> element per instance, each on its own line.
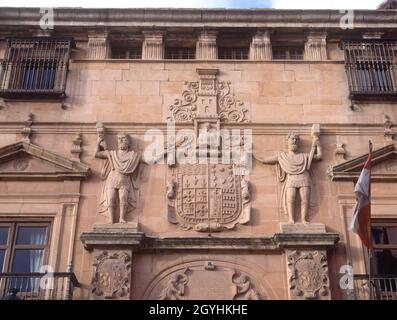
<point x="294" y="171"/>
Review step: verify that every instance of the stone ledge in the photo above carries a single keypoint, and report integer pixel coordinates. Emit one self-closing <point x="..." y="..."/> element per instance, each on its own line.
<point x="138" y="241"/>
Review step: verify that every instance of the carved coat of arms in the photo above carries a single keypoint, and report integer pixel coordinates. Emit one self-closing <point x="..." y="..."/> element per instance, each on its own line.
<point x="112" y="275"/>
<point x="208" y="197"/>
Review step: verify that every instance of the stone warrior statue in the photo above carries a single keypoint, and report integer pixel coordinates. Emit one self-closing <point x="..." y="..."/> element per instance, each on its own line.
<point x="294" y="172"/>
<point x="118" y="173"/>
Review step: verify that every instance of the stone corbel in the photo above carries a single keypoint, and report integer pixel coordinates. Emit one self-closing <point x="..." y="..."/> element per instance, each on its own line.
<point x="153" y="45"/>
<point x="316" y="46"/>
<point x="206" y="48"/>
<point x="261" y="46"/>
<point x="98" y="46"/>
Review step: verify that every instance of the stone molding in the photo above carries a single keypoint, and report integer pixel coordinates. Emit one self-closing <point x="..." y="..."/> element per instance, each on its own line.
<point x="66" y="169"/>
<point x="78" y="17"/>
<point x="138" y="241"/>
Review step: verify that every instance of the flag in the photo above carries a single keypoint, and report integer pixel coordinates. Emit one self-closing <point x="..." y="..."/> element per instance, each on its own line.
<point x="361" y="221"/>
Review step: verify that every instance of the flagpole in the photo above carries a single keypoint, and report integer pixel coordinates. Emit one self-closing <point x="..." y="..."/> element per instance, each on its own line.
<point x="370" y="253"/>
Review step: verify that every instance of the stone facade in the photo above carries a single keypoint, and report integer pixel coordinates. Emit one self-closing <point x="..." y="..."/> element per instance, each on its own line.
<point x="246" y="248"/>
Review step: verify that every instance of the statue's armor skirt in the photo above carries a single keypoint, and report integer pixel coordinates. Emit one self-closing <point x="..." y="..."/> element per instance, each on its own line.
<point x="298" y="180"/>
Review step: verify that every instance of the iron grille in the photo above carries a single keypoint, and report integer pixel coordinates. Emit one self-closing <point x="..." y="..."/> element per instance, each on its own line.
<point x="371" y="67"/>
<point x="35" y="67"/>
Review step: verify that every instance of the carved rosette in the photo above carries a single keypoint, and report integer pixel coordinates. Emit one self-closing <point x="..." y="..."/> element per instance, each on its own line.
<point x="112" y="274"/>
<point x="308" y="275"/>
<point x="208" y="97"/>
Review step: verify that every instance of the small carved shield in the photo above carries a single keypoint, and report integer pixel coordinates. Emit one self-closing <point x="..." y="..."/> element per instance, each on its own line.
<point x="112" y="274"/>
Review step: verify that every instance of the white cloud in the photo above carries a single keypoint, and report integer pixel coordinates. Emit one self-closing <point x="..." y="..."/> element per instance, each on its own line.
<point x="326" y="4"/>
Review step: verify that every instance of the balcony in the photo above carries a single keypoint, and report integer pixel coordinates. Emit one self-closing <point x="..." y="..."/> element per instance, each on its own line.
<point x="35" y="67"/>
<point x="37" y="286"/>
<point x="379" y="288"/>
<point x="371" y="69"/>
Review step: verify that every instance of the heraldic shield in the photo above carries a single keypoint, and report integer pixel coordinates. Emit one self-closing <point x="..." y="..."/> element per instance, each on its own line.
<point x="207" y="197"/>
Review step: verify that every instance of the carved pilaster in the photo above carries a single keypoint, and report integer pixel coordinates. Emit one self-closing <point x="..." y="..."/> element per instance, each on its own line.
<point x="112" y="276"/>
<point x="206" y="48"/>
<point x="153" y="45"/>
<point x="308" y="275"/>
<point x="261" y="46"/>
<point x="316" y="46"/>
<point x="98" y="46"/>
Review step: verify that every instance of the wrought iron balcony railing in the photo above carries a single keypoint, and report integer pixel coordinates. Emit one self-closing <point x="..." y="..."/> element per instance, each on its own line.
<point x="37" y="286"/>
<point x="371" y="68"/>
<point x="35" y="67"/>
<point x="378" y="288"/>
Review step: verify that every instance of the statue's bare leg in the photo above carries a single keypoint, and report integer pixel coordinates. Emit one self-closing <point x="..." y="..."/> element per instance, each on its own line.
<point x="291" y="199"/>
<point x="123" y="194"/>
<point x="304" y="193"/>
<point x="112" y="196"/>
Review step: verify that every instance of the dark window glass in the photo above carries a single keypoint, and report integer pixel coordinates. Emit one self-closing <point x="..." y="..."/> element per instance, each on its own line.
<point x="179" y="53"/>
<point x="233" y="53"/>
<point x="26" y="260"/>
<point x="3" y="235"/>
<point x="384" y="235"/>
<point x="2" y="258"/>
<point x="287" y="53"/>
<point x="31" y="235"/>
<point x="127" y="53"/>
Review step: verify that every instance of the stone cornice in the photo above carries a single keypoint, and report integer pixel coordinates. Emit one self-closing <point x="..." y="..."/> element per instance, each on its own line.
<point x="174" y="17"/>
<point x="138" y="241"/>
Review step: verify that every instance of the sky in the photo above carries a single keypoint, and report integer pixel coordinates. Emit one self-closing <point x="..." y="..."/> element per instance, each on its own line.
<point x="278" y="4"/>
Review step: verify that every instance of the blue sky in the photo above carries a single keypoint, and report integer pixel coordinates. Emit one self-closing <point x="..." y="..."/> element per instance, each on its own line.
<point x="278" y="4"/>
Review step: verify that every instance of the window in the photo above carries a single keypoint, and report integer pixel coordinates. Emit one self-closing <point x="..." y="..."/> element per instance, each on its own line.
<point x="23" y="246"/>
<point x="384" y="236"/>
<point x="179" y="53"/>
<point x="35" y="67"/>
<point x="371" y="67"/>
<point x="233" y="53"/>
<point x="288" y="53"/>
<point x="127" y="53"/>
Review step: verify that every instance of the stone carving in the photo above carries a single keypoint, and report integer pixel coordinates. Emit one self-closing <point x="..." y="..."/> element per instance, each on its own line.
<point x="294" y="171"/>
<point x="388" y="131"/>
<point x="153" y="45"/>
<point x="340" y="152"/>
<point x="316" y="46"/>
<point x="261" y="46"/>
<point x="98" y="46"/>
<point x="208" y="197"/>
<point x="26" y="131"/>
<point x="211" y="280"/>
<point x="175" y="289"/>
<point x="244" y="288"/>
<point x="112" y="273"/>
<point x="120" y="175"/>
<point x="308" y="275"/>
<point x="206" y="48"/>
<point x="21" y="164"/>
<point x="76" y="149"/>
<point x="208" y="97"/>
